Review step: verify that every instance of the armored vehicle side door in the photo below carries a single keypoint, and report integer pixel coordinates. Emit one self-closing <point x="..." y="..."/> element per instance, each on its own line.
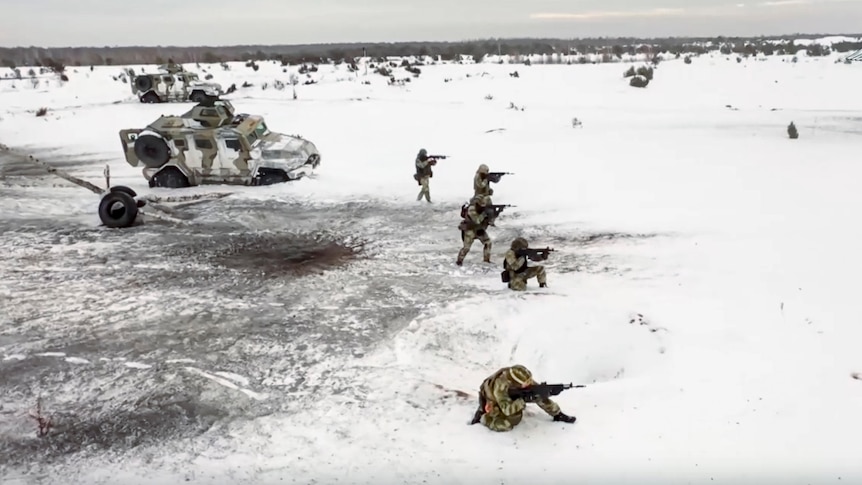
<point x="232" y="157"/>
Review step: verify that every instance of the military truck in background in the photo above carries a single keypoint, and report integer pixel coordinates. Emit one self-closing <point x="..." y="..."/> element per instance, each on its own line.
<point x="211" y="144"/>
<point x="173" y="84"/>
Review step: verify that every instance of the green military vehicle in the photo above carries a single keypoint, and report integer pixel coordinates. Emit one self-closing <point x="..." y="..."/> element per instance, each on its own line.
<point x="211" y="144"/>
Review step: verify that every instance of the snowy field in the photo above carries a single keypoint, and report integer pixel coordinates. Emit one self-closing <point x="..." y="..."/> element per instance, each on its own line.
<point x="702" y="285"/>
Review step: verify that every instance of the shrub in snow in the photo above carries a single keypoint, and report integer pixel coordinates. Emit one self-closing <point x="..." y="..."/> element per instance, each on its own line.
<point x="792" y="132"/>
<point x="639" y="81"/>
<point x="630" y="72"/>
<point x="383" y="71"/>
<point x="42" y="112"/>
<point x="231" y="89"/>
<point x="687" y="59"/>
<point x="414" y="70"/>
<point x="208" y="77"/>
<point x="645" y="71"/>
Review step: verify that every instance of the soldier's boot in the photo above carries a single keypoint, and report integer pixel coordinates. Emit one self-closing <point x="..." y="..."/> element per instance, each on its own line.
<point x="564" y="418"/>
<point x="543" y="285"/>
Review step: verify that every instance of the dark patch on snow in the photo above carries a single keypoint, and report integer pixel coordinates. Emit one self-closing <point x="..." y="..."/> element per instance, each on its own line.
<point x="274" y="255"/>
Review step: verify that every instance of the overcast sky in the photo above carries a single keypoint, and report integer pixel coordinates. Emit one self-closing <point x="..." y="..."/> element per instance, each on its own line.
<point x="57" y="23"/>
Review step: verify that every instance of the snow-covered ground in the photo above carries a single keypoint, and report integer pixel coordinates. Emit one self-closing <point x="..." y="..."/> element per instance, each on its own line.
<point x="703" y="284"/>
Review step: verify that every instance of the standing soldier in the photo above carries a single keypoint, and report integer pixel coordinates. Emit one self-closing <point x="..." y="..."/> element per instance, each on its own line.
<point x="474" y="226"/>
<point x="481" y="184"/>
<point x="424" y="173"/>
<point x="515" y="264"/>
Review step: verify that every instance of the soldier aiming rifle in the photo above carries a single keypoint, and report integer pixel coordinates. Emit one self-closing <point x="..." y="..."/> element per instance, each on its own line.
<point x="504" y="395"/>
<point x="423" y="175"/>
<point x="515" y="270"/>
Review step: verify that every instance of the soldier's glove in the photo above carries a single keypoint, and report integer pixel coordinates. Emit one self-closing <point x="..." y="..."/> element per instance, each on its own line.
<point x="564" y="418"/>
<point x="518" y="405"/>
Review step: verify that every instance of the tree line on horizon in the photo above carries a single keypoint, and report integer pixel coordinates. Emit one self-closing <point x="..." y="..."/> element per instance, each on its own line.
<point x="447" y="51"/>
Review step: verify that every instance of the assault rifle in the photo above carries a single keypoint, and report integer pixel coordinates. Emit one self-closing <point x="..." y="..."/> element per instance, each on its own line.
<point x="538" y="392"/>
<point x="496" y="176"/>
<point x="534" y="254"/>
<point x="439" y="157"/>
<point x="494" y="210"/>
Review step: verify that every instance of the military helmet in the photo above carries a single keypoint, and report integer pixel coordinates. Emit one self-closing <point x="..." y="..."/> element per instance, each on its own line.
<point x="483" y="169"/>
<point x="521" y="374"/>
<point x="423" y="153"/>
<point x="520" y="243"/>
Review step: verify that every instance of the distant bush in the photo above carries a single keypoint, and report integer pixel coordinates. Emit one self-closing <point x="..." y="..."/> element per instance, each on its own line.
<point x="42" y="112"/>
<point x="383" y="71"/>
<point x="208" y="77"/>
<point x="413" y="70"/>
<point x="639" y="81"/>
<point x="687" y="60"/>
<point x="645" y="71"/>
<point x="792" y="132"/>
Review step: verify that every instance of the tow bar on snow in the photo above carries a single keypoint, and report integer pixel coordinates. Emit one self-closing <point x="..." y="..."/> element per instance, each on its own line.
<point x="119" y="206"/>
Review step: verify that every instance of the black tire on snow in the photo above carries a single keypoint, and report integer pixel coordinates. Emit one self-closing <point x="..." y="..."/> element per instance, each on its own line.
<point x="150" y="98"/>
<point x="152" y="151"/>
<point x="272" y="178"/>
<point x="143" y="83"/>
<point x="118" y="209"/>
<point x="198" y="96"/>
<point x="170" y="178"/>
<point x="124" y="189"/>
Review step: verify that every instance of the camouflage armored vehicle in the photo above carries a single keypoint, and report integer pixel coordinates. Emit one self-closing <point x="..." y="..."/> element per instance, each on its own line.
<point x="211" y="144"/>
<point x="173" y="83"/>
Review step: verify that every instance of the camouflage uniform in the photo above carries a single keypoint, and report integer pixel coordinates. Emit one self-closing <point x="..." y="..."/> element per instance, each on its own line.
<point x="518" y="270"/>
<point x="475" y="226"/>
<point x="501" y="413"/>
<point x="424" y="174"/>
<point x="481" y="184"/>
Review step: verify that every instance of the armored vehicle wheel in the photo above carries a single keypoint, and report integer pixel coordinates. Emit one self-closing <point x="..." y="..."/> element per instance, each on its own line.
<point x="198" y="96"/>
<point x="143" y="83"/>
<point x="152" y="150"/>
<point x="150" y="97"/>
<point x="271" y="178"/>
<point x="170" y="178"/>
<point x="118" y="209"/>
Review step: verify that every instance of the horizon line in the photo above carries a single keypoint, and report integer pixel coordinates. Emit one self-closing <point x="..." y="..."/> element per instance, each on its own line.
<point x="785" y="36"/>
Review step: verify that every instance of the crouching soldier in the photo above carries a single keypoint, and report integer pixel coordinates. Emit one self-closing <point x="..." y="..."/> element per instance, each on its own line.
<point x="515" y="269"/>
<point x="501" y="412"/>
<point x="474" y="226"/>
